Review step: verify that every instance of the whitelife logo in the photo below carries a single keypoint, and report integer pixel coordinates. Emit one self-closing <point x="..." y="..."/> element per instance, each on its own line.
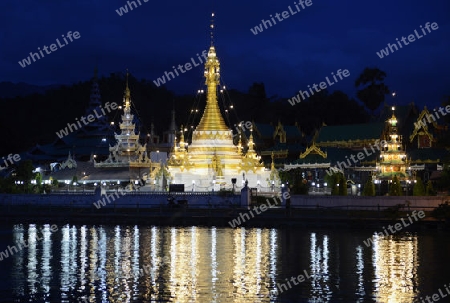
<point x="411" y="38"/>
<point x="11" y="158"/>
<point x="71" y="127"/>
<point x="263" y="207"/>
<point x="124" y="9"/>
<point x="398" y="227"/>
<point x="360" y="155"/>
<point x="11" y="250"/>
<point x="280" y="288"/>
<point x="284" y="15"/>
<point x="432" y="117"/>
<point x="53" y="48"/>
<point x="188" y="66"/>
<point x="304" y="94"/>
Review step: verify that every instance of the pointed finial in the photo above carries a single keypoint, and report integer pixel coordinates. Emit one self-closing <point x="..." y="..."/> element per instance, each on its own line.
<point x="272" y="165"/>
<point x="182" y="138"/>
<point x="212" y="29"/>
<point x="127" y="77"/>
<point x="127" y="89"/>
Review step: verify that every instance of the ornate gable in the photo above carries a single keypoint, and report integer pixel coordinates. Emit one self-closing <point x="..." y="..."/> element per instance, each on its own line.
<point x="280" y="132"/>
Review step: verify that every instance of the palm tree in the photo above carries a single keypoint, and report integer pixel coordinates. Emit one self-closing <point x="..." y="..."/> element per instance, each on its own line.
<point x="371" y="89"/>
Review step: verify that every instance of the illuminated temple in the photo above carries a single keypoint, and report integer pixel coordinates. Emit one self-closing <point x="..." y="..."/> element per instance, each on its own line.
<point x="211" y="161"/>
<point x="127" y="152"/>
<point x="393" y="161"/>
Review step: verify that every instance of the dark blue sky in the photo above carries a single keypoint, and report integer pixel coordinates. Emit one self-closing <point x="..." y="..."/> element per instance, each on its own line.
<point x="299" y="51"/>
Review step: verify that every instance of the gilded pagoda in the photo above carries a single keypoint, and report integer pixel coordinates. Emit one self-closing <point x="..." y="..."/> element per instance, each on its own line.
<point x="212" y="160"/>
<point x="393" y="160"/>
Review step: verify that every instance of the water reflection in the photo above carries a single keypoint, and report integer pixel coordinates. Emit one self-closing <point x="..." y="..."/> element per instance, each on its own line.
<point x="395" y="262"/>
<point x="196" y="264"/>
<point x="320" y="284"/>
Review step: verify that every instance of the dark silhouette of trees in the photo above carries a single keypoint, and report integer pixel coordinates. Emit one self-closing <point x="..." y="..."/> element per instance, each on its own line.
<point x="42" y="115"/>
<point x="371" y="88"/>
<point x="419" y="188"/>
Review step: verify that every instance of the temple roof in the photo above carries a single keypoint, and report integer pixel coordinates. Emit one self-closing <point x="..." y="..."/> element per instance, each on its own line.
<point x="78" y="145"/>
<point x="85" y="171"/>
<point x="292" y="131"/>
<point x="426" y="155"/>
<point x="264" y="130"/>
<point x="366" y="131"/>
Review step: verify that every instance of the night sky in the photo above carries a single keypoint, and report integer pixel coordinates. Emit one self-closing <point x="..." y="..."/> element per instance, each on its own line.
<point x="298" y="51"/>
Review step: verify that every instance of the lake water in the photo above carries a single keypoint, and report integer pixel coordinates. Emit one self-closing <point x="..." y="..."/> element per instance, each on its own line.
<point x="70" y="263"/>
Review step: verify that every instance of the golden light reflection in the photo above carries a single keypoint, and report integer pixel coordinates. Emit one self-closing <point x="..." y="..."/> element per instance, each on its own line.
<point x="93" y="246"/>
<point x="214" y="271"/>
<point x="395" y="263"/>
<point x="251" y="274"/>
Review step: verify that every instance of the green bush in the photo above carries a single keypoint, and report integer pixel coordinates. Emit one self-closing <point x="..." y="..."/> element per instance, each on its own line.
<point x="297" y="184"/>
<point x="442" y="211"/>
<point x="419" y="188"/>
<point x="396" y="187"/>
<point x="430" y="190"/>
<point x="342" y="185"/>
<point x="338" y="184"/>
<point x="369" y="188"/>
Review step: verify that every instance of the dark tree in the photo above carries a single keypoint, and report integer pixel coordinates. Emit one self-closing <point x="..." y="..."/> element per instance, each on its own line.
<point x="419" y="188"/>
<point x="369" y="188"/>
<point x="396" y="188"/>
<point x="293" y="178"/>
<point x="371" y="88"/>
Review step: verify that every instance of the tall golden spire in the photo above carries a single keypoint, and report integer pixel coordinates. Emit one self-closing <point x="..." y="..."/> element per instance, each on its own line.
<point x="182" y="144"/>
<point x="127" y="94"/>
<point x="212" y="119"/>
<point x="212" y="29"/>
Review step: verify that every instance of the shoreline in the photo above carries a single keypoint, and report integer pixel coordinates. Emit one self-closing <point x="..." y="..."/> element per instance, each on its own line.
<point x="219" y="217"/>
